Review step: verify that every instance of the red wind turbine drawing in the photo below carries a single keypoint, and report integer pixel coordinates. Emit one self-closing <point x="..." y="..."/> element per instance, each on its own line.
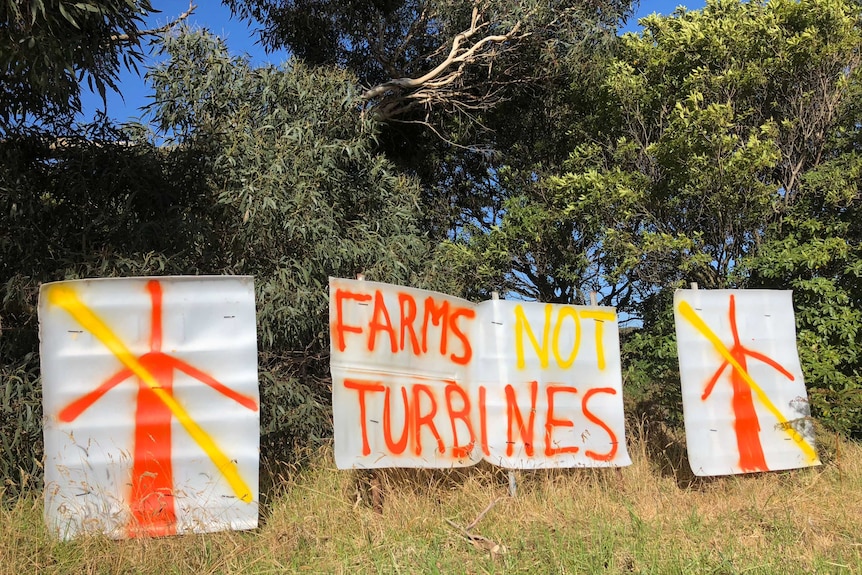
<point x="746" y="423"/>
<point x="151" y="499"/>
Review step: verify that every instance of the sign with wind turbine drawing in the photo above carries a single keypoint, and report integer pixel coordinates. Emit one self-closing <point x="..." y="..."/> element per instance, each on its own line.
<point x="150" y="403"/>
<point x="744" y="399"/>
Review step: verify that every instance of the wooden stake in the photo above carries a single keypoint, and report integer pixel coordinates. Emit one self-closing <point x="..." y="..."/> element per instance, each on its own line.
<point x="376" y="488"/>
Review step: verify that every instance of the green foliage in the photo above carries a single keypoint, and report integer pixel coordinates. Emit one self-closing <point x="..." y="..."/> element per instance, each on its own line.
<point x="750" y="117"/>
<point x="380" y="40"/>
<point x="301" y="195"/>
<point x="20" y="425"/>
<point x="719" y="148"/>
<point x="650" y="367"/>
<point x="454" y="135"/>
<point x="773" y="173"/>
<point x="270" y="172"/>
<point x="74" y="207"/>
<point x="816" y="251"/>
<point x="48" y="47"/>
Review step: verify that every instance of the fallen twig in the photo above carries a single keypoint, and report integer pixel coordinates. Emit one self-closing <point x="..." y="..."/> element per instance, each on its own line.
<point x="478" y="541"/>
<point x="481" y="515"/>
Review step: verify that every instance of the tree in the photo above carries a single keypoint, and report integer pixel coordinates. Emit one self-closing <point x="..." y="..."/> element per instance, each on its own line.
<point x="785" y="75"/>
<point x="712" y="154"/>
<point x="266" y="171"/>
<point x="299" y="194"/>
<point x="815" y="249"/>
<point x="88" y="208"/>
<point x="431" y="53"/>
<point x="459" y="86"/>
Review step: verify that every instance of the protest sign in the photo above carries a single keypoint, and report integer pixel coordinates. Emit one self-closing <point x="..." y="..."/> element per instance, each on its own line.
<point x="151" y="405"/>
<point x="422" y="379"/>
<point x="744" y="399"/>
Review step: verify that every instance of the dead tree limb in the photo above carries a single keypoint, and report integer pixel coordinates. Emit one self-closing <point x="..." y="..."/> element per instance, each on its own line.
<point x="154" y="31"/>
<point x="444" y="82"/>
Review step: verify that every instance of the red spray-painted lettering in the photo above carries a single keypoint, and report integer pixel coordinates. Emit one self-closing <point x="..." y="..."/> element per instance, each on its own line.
<point x="427" y="408"/>
<point x="437" y="316"/>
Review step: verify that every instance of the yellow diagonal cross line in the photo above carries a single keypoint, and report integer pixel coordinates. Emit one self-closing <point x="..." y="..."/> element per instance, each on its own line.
<point x="67" y="299"/>
<point x="689" y="314"/>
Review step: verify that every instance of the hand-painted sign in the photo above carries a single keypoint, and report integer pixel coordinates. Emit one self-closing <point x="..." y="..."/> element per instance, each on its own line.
<point x="744" y="399"/>
<point x="151" y="405"/>
<point x="422" y="379"/>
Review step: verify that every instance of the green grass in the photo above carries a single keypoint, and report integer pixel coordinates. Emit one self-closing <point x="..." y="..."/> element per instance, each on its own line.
<point x="652" y="517"/>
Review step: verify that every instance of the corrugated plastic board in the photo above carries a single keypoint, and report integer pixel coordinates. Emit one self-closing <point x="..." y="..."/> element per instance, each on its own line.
<point x="743" y="393"/>
<point x="150" y="396"/>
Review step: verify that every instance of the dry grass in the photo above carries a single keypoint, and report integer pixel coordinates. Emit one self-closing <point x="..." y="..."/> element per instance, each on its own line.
<point x="652" y="517"/>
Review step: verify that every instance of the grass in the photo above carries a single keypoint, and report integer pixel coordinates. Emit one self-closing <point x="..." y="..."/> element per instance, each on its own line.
<point x="651" y="517"/>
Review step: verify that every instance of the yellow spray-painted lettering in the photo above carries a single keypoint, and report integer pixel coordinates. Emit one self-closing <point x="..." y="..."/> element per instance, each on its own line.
<point x="600" y="318"/>
<point x="695" y="320"/>
<point x="522" y="325"/>
<point x="567" y="311"/>
<point x="67" y="299"/>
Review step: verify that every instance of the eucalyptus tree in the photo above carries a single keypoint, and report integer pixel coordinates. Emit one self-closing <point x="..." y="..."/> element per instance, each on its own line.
<point x="427" y="54"/>
<point x="269" y="171"/>
<point x="457" y="85"/>
<point x="49" y="47"/>
<point x="298" y="193"/>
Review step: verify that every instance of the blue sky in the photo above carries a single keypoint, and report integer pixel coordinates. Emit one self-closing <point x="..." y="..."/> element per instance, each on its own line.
<point x="241" y="39"/>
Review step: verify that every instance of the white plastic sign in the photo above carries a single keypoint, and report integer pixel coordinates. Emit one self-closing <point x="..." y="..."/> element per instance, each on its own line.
<point x="422" y="379"/>
<point x="151" y="405"/>
<point x="744" y="399"/>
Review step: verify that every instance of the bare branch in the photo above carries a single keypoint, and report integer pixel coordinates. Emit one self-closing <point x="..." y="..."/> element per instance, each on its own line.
<point x="445" y="139"/>
<point x="155" y="31"/>
<point x="441" y="83"/>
